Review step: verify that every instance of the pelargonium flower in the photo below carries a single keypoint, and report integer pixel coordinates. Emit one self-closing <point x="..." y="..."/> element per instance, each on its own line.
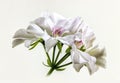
<point x="80" y="57"/>
<point x="83" y="53"/>
<point x="50" y="27"/>
<point x="54" y="30"/>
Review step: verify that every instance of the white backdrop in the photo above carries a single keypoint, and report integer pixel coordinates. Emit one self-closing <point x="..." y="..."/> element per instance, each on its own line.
<point x="19" y="65"/>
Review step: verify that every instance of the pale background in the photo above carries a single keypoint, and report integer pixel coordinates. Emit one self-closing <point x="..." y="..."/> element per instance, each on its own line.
<point x="19" y="65"/>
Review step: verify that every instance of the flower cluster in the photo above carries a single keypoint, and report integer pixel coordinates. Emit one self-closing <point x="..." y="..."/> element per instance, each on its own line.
<point x="54" y="31"/>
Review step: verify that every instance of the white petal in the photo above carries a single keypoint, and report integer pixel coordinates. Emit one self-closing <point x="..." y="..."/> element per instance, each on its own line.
<point x="100" y="54"/>
<point x="35" y="29"/>
<point x="17" y="42"/>
<point x="74" y="24"/>
<point x="91" y="62"/>
<point x="28" y="43"/>
<point x="49" y="20"/>
<point x="55" y="18"/>
<point x="68" y="40"/>
<point x="88" y="36"/>
<point x="78" y="67"/>
<point x="50" y="43"/>
<point x="44" y="23"/>
<point x="91" y="67"/>
<point x="78" y="61"/>
<point x="22" y="34"/>
<point x="45" y="36"/>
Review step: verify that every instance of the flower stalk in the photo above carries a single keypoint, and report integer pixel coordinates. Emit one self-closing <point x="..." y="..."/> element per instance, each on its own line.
<point x="56" y="64"/>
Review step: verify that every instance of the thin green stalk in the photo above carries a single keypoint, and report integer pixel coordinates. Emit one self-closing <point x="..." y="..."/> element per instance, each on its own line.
<point x="50" y="71"/>
<point x="63" y="59"/>
<point x="57" y="56"/>
<point x="54" y="48"/>
<point x="48" y="57"/>
<point x="65" y="65"/>
<point x="47" y="54"/>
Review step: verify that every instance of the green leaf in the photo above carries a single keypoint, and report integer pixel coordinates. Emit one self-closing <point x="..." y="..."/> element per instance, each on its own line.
<point x="60" y="69"/>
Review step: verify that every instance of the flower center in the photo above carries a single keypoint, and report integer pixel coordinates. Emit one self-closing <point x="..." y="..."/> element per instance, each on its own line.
<point x="57" y="31"/>
<point x="78" y="44"/>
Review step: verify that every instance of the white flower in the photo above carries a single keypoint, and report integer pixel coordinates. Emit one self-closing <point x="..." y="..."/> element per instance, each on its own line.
<point x="74" y="32"/>
<point x="81" y="59"/>
<point x="83" y="53"/>
<point x="82" y="34"/>
<point x="80" y="42"/>
<point x="50" y="27"/>
<point x="56" y="27"/>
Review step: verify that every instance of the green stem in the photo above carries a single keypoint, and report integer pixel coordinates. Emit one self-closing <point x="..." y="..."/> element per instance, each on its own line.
<point x="53" y="54"/>
<point x="50" y="71"/>
<point x="65" y="65"/>
<point x="63" y="59"/>
<point x="46" y="53"/>
<point x="48" y="57"/>
<point x="57" y="56"/>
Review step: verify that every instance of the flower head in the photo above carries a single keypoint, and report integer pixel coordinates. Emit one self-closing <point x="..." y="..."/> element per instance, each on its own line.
<point x="54" y="30"/>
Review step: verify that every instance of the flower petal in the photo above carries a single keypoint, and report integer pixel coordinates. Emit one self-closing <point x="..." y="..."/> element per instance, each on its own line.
<point x="88" y="36"/>
<point x="55" y="18"/>
<point x="17" y="42"/>
<point x="77" y="60"/>
<point x="100" y="54"/>
<point x="78" y="66"/>
<point x="22" y="34"/>
<point x="68" y="40"/>
<point x="44" y="24"/>
<point x="91" y="62"/>
<point x="74" y="24"/>
<point x="80" y="59"/>
<point x="47" y="21"/>
<point x="35" y="30"/>
<point x="50" y="43"/>
<point x="29" y="42"/>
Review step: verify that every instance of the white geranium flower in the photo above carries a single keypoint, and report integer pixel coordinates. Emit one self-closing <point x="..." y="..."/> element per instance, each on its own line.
<point x="56" y="27"/>
<point x="80" y="57"/>
<point x="53" y="30"/>
<point x="83" y="53"/>
<point x="80" y="42"/>
<point x="50" y="27"/>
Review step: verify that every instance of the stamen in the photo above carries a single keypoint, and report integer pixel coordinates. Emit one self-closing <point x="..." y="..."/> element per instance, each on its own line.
<point x="78" y="44"/>
<point x="57" y="31"/>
